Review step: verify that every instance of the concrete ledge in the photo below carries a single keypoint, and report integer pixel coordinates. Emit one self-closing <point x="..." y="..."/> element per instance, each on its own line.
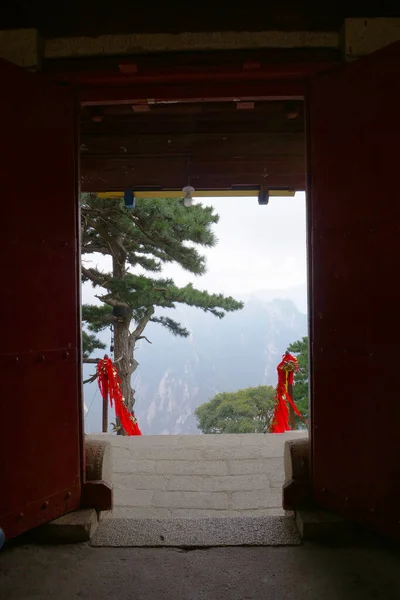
<point x="22" y="47"/>
<point x="197" y="475"/>
<point x="364" y="36"/>
<point x="138" y="43"/>
<point x="296" y="491"/>
<point x="99" y="465"/>
<point x="73" y="528"/>
<point x="323" y="526"/>
<point x="296" y="458"/>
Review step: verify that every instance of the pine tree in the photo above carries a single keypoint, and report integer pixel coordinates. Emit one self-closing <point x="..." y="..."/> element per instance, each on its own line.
<point x="139" y="242"/>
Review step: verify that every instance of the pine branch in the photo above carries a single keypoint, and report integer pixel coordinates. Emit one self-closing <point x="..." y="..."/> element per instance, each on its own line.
<point x="143" y="337"/>
<point x="117" y="249"/>
<point x="173" y="326"/>
<point x="91" y="361"/>
<point x="91" y="248"/>
<point x="86" y="210"/>
<point x="90" y="343"/>
<point x="90" y="379"/>
<point x="95" y="277"/>
<point x="107" y="299"/>
<point x="100" y="323"/>
<point x="133" y="365"/>
<point x="96" y="318"/>
<point x="142" y="324"/>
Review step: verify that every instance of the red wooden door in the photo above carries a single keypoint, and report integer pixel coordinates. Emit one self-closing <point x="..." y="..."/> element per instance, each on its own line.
<point x="354" y="236"/>
<point x="40" y="398"/>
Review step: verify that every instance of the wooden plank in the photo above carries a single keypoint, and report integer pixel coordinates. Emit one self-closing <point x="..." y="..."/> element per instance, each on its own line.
<point x="207" y="109"/>
<point x="127" y="94"/>
<point x="228" y="193"/>
<point x="130" y="73"/>
<point x="172" y="172"/>
<point x="197" y="145"/>
<point x="299" y="58"/>
<point x="193" y="119"/>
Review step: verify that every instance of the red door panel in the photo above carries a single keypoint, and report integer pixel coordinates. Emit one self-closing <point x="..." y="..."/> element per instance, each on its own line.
<point x="354" y="235"/>
<point x="40" y="397"/>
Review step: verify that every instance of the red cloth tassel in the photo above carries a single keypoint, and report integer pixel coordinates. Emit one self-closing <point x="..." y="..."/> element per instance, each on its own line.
<point x="280" y="419"/>
<point x="109" y="384"/>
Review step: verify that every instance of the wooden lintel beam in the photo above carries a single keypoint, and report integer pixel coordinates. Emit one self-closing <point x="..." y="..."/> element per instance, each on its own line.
<point x="293" y="59"/>
<point x="215" y="193"/>
<point x="173" y="173"/>
<point x="215" y="91"/>
<point x="102" y="183"/>
<point x="215" y="145"/>
<point x="176" y="74"/>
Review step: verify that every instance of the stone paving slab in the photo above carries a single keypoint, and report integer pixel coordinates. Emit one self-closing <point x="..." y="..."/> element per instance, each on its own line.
<point x="198" y="475"/>
<point x="197" y="532"/>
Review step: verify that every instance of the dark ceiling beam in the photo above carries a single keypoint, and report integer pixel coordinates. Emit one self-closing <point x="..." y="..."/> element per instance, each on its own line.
<point x="190" y="117"/>
<point x="215" y="145"/>
<point x="114" y="174"/>
<point x="215" y="91"/>
<point x="176" y="79"/>
<point x="206" y="110"/>
<point x="176" y="73"/>
<point x="195" y="113"/>
<point x="297" y="58"/>
<point x="165" y="131"/>
<point x="169" y="127"/>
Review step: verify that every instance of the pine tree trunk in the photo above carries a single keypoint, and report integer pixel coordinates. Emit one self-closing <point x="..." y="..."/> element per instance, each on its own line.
<point x="123" y="346"/>
<point x="123" y="356"/>
<point x="124" y="341"/>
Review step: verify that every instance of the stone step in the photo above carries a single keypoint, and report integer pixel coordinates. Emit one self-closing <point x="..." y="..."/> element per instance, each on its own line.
<point x="197" y="533"/>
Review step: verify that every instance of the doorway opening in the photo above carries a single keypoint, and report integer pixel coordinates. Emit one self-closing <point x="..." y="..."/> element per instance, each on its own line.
<point x="259" y="259"/>
<point x="233" y="154"/>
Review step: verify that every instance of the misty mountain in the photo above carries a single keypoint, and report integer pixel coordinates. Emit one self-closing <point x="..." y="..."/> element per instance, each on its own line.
<point x="296" y="293"/>
<point x="175" y="375"/>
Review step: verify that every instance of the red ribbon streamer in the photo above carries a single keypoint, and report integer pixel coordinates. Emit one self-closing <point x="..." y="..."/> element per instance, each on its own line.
<point x="110" y="385"/>
<point x="280" y="419"/>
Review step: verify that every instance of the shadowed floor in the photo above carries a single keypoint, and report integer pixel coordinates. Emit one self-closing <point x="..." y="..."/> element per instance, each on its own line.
<point x="365" y="572"/>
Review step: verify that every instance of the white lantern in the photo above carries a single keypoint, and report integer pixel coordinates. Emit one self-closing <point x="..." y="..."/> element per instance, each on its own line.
<point x="187" y="198"/>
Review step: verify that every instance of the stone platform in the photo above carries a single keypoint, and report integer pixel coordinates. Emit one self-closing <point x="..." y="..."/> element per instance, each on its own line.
<point x="200" y="532"/>
<point x="198" y="475"/>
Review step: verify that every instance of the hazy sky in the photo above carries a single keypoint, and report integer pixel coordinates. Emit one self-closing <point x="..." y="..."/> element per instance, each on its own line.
<point x="259" y="248"/>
